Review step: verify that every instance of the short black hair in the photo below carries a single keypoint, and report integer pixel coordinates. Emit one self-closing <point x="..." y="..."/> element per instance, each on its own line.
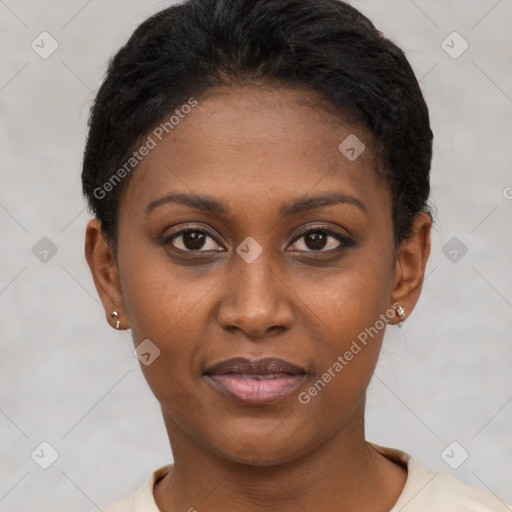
<point x="325" y="45"/>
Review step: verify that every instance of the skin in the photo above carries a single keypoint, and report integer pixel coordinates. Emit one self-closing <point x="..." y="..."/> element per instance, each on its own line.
<point x="254" y="149"/>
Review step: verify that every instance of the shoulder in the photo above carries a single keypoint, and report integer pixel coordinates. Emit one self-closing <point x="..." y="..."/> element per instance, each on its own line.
<point x="141" y="500"/>
<point x="427" y="490"/>
<point x="445" y="490"/>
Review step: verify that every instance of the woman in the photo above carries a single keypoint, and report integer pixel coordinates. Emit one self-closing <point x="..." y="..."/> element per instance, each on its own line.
<point x="259" y="175"/>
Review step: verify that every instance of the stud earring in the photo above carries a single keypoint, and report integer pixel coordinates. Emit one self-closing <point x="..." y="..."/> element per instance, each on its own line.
<point x="116" y="315"/>
<point x="400" y="311"/>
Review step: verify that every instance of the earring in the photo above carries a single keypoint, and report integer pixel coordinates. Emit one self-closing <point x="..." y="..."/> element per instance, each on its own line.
<point x="400" y="311"/>
<point x="116" y="315"/>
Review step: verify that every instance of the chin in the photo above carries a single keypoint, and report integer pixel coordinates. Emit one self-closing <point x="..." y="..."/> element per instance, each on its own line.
<point x="269" y="447"/>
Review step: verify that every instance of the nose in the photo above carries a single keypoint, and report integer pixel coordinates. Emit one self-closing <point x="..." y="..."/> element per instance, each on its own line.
<point x="256" y="299"/>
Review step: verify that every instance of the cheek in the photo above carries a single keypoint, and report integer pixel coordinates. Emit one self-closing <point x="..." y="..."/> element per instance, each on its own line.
<point x="334" y="311"/>
<point x="353" y="325"/>
<point x="349" y="298"/>
<point x="350" y="311"/>
<point x="161" y="298"/>
<point x="162" y="304"/>
<point x="172" y="305"/>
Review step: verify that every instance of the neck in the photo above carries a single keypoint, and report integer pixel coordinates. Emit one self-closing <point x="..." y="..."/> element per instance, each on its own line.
<point x="344" y="470"/>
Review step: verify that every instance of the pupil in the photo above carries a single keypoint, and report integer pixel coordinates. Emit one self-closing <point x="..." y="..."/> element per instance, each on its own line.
<point x="316" y="240"/>
<point x="193" y="240"/>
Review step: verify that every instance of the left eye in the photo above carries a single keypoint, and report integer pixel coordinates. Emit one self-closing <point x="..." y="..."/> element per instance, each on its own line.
<point x="318" y="239"/>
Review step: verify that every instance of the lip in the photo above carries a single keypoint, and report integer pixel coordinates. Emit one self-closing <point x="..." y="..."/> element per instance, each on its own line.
<point x="255" y="382"/>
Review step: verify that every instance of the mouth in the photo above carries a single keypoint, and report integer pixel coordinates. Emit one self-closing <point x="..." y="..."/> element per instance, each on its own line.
<point x="255" y="382"/>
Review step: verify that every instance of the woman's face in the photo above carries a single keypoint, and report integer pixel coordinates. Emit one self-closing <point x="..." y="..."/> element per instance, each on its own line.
<point x="268" y="270"/>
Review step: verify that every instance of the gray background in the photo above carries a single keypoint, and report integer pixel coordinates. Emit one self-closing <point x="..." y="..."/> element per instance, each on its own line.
<point x="69" y="379"/>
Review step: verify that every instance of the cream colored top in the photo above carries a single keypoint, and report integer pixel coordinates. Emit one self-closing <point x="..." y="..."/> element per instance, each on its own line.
<point x="425" y="491"/>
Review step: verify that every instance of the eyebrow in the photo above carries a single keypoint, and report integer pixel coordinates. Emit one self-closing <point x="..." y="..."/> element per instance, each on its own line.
<point x="210" y="205"/>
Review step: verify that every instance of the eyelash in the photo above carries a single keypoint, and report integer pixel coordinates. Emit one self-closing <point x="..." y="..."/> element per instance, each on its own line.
<point x="344" y="241"/>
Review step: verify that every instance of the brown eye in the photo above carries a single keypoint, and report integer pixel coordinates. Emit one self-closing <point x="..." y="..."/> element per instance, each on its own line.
<point x="190" y="240"/>
<point x="321" y="240"/>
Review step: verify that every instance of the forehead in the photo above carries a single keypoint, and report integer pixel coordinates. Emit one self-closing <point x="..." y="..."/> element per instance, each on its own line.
<point x="242" y="142"/>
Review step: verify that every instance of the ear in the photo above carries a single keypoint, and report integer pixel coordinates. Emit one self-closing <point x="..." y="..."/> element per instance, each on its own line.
<point x="411" y="260"/>
<point x="103" y="266"/>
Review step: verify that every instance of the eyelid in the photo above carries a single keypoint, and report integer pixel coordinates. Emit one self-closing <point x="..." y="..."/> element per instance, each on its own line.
<point x="187" y="229"/>
<point x="344" y="240"/>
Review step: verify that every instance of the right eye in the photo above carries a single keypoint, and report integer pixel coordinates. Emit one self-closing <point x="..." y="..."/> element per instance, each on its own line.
<point x="192" y="240"/>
